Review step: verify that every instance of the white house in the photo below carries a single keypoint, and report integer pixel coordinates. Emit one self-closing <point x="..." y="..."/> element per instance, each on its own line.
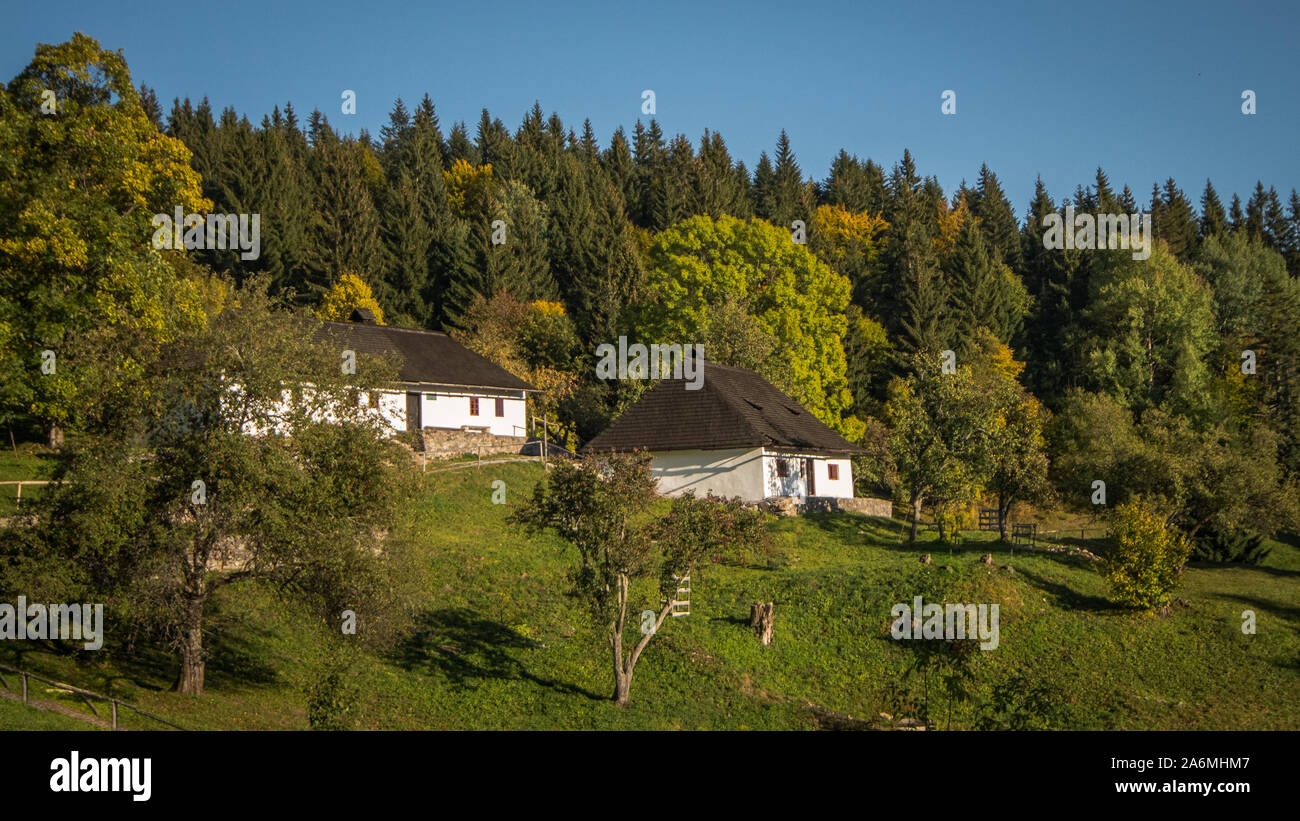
<point x="737" y="435"/>
<point x="444" y="389"/>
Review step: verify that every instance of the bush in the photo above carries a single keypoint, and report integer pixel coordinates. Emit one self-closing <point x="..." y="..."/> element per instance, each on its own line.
<point x="331" y="701"/>
<point x="1229" y="546"/>
<point x="1145" y="559"/>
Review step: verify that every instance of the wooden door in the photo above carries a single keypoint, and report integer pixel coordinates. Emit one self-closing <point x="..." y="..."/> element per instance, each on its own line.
<point x="808" y="465"/>
<point x="413" y="411"/>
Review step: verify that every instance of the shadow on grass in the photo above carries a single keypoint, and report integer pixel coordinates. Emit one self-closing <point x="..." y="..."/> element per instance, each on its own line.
<point x="857" y="527"/>
<point x="1070" y="598"/>
<point x="465" y="647"/>
<point x="1288" y="612"/>
<point x="1256" y="568"/>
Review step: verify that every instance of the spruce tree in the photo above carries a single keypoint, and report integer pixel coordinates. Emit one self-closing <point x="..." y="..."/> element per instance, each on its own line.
<point x="997" y="219"/>
<point x="1236" y="220"/>
<point x="1175" y="222"/>
<point x="791" y="199"/>
<point x="764" y="188"/>
<point x="1214" y="220"/>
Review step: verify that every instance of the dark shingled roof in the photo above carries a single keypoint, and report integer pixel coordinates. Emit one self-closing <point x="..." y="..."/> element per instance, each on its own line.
<point x="427" y="357"/>
<point x="733" y="408"/>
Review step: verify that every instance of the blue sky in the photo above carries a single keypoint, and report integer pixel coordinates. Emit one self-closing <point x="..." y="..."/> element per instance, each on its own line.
<point x="1042" y="88"/>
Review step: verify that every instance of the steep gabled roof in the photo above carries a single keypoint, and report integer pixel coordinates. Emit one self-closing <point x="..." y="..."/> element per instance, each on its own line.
<point x="427" y="357"/>
<point x="733" y="408"/>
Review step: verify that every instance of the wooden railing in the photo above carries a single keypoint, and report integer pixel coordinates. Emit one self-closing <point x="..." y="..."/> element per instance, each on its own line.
<point x="19" y="500"/>
<point x="86" y="695"/>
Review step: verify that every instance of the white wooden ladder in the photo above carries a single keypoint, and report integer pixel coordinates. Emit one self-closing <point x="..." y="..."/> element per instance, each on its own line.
<point x="682" y="602"/>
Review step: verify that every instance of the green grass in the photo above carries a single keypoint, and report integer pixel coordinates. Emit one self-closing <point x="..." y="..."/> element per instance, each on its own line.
<point x="499" y="646"/>
<point x="14" y="715"/>
<point x="32" y="461"/>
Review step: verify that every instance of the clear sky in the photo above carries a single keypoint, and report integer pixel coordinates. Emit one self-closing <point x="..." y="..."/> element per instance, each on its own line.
<point x="1146" y="90"/>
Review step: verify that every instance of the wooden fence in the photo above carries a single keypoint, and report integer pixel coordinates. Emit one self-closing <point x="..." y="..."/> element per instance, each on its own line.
<point x="86" y="695"/>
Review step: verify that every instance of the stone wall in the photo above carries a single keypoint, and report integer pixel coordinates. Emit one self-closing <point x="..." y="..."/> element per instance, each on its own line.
<point x="441" y="443"/>
<point x="864" y="505"/>
<point x="790" y="506"/>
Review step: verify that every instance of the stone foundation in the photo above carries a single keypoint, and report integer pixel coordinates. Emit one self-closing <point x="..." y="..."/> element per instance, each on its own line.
<point x="443" y="443"/>
<point x="790" y="506"/>
<point x="864" y="505"/>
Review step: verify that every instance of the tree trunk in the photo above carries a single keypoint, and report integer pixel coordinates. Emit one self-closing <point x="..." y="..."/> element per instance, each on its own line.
<point x="916" y="516"/>
<point x="622" y="688"/>
<point x="1004" y="510"/>
<point x="762" y="619"/>
<point x="190" y="680"/>
<point x="56" y="437"/>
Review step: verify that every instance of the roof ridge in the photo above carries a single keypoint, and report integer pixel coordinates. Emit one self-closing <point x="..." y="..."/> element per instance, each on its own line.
<point x="386" y="328"/>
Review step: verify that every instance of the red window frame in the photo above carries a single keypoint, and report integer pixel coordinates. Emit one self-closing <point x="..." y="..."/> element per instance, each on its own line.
<point x="473" y="406"/>
<point x="501" y="406"/>
<point x="832" y="472"/>
<point x="782" y="468"/>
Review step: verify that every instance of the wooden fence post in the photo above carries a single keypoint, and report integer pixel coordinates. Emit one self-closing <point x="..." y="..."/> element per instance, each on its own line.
<point x="761" y="618"/>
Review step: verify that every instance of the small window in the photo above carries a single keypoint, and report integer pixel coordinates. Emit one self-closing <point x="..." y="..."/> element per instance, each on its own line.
<point x="501" y="407"/>
<point x="473" y="406"/>
<point x="782" y="468"/>
<point x="833" y="472"/>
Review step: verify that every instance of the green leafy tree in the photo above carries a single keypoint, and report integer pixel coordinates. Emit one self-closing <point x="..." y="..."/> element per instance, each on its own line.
<point x="1152" y="330"/>
<point x="600" y="508"/>
<point x="79" y="188"/>
<point x="701" y="268"/>
<point x="941" y="427"/>
<point x="249" y="458"/>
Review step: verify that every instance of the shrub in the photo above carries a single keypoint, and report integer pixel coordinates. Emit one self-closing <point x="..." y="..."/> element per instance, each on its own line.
<point x="1229" y="546"/>
<point x="331" y="701"/>
<point x="1146" y="557"/>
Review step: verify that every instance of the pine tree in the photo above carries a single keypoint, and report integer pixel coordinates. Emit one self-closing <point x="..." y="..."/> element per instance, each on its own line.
<point x="1277" y="229"/>
<point x="996" y="218"/>
<point x="981" y="297"/>
<point x="1175" y="221"/>
<point x="717" y="189"/>
<point x="1104" y="199"/>
<point x="1236" y="220"/>
<point x="1255" y="208"/>
<point x="1293" y="255"/>
<point x="460" y="147"/>
<point x="495" y="148"/>
<point x="649" y="207"/>
<point x="924" y="323"/>
<point x="791" y="199"/>
<point x="618" y="166"/>
<point x="345" y="235"/>
<point x="1127" y="201"/>
<point x="149" y="102"/>
<point x="764" y="188"/>
<point x="1214" y="220"/>
<point x="1057" y="286"/>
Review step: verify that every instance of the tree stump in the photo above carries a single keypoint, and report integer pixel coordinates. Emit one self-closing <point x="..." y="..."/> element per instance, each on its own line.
<point x="762" y="620"/>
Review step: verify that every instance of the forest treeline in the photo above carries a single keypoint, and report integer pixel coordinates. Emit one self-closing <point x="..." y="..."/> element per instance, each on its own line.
<point x="1177" y="377"/>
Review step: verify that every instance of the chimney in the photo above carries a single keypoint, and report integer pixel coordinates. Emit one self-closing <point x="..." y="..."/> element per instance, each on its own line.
<point x="363" y="316"/>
